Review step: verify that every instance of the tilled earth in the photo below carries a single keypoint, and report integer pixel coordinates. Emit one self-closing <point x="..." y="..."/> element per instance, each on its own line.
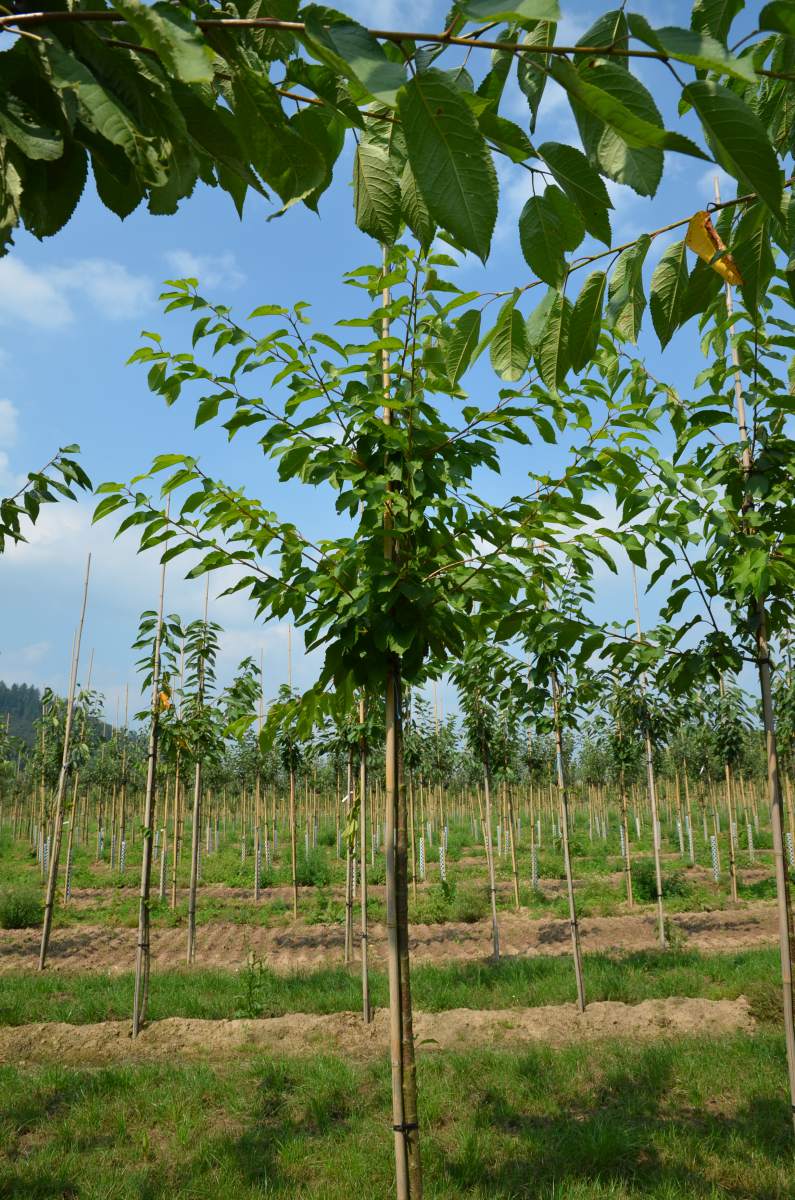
<point x="345" y="1033"/>
<point x="304" y="947"/>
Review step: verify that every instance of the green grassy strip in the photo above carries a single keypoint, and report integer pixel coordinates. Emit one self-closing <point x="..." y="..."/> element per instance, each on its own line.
<point x="691" y="1120"/>
<point x="253" y="992"/>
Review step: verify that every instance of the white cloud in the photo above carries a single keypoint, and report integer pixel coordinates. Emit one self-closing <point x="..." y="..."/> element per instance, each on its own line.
<point x="8" y="423"/>
<point x="212" y="270"/>
<point x="30" y="296"/>
<point x="45" y="297"/>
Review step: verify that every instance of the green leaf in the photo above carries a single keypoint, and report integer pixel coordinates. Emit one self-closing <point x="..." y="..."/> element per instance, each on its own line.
<point x="52" y="191"/>
<point x="531" y="68"/>
<point x="690" y="46"/>
<point x="667" y="293"/>
<point x="450" y="161"/>
<point x="626" y="301"/>
<point x="376" y="193"/>
<point x="586" y="320"/>
<point x="25" y="129"/>
<point x="101" y="111"/>
<point x="752" y="253"/>
<point x="739" y="139"/>
<point x="569" y="217"/>
<point x="626" y="138"/>
<point x="582" y="184"/>
<point x="509" y="350"/>
<point x="541" y="239"/>
<point x="716" y="16"/>
<point x="702" y="288"/>
<point x="778" y="17"/>
<point x="462" y="343"/>
<point x="524" y="10"/>
<point x="171" y="33"/>
<point x="415" y="210"/>
<point x="537" y="321"/>
<point x="353" y="52"/>
<point x="292" y="166"/>
<point x="553" y="354"/>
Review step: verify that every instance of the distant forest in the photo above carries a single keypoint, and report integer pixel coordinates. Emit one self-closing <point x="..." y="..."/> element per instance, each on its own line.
<point x="22" y="702"/>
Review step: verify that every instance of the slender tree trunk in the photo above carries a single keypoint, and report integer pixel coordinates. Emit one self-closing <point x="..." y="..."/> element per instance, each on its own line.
<point x="349" y="864"/>
<point x="142" y="957"/>
<point x="55" y="848"/>
<point x="366" y="1010"/>
<point x="564" y="828"/>
<point x="625" y="828"/>
<point x="194" y="862"/>
<point x="514" y="868"/>
<point x="495" y="929"/>
<point x="651" y="784"/>
<point x="293" y="862"/>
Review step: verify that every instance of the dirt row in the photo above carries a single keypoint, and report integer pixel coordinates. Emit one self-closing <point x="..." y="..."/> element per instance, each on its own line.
<point x="346" y="1033"/>
<point x="89" y="896"/>
<point x="304" y="947"/>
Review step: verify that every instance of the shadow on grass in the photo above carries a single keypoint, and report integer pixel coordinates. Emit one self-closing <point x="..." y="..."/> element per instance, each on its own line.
<point x="690" y="1120"/>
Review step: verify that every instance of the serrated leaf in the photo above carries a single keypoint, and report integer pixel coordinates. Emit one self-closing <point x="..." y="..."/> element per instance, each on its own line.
<point x="778" y="17"/>
<point x="626" y="299"/>
<point x="173" y="36"/>
<point x="352" y="51"/>
<point x="450" y="161"/>
<point x="25" y="130"/>
<point x="690" y="46"/>
<point x="667" y="292"/>
<point x="531" y="72"/>
<point x="509" y="350"/>
<point x="537" y="321"/>
<point x="415" y="210"/>
<point x="541" y="239"/>
<point x="553" y="355"/>
<point x="462" y="343"/>
<point x="586" y="320"/>
<point x="715" y="16"/>
<point x="52" y="191"/>
<point x="376" y="193"/>
<point x="753" y="254"/>
<point x="582" y="184"/>
<point x="620" y="124"/>
<point x="524" y="10"/>
<point x="739" y="139"/>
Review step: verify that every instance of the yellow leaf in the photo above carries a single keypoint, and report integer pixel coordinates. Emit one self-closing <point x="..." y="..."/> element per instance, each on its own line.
<point x="703" y="239"/>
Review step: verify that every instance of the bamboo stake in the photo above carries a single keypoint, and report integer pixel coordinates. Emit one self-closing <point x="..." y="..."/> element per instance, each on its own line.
<point x="55" y="849"/>
<point x="652" y="789"/>
<point x="197" y="796"/>
<point x="564" y="828"/>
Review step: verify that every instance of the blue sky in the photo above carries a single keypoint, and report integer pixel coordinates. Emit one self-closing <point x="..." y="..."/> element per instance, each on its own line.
<point x="72" y="309"/>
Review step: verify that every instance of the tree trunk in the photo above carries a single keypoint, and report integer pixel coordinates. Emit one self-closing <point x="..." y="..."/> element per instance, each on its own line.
<point x="366" y="1010"/>
<point x="142" y="956"/>
<point x="564" y="829"/>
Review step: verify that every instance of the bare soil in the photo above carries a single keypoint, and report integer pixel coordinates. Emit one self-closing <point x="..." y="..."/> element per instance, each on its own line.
<point x="346" y="1033"/>
<point x="305" y="947"/>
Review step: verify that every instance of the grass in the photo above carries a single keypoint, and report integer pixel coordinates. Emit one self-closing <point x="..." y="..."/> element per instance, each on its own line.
<point x="213" y="994"/>
<point x="692" y="1120"/>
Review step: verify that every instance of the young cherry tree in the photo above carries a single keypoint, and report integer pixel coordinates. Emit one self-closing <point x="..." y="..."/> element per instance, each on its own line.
<point x="719" y="513"/>
<point x="417" y="563"/>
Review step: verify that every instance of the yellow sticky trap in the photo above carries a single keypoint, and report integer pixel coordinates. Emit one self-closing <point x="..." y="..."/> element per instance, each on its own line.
<point x="703" y="239"/>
